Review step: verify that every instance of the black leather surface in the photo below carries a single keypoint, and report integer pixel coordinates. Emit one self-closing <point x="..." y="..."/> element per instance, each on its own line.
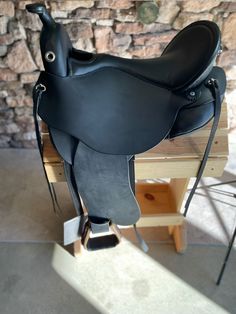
<point x="200" y="112"/>
<point x="117" y="113"/>
<point x="190" y="54"/>
<point x="109" y="110"/>
<point x="56" y="39"/>
<point x="65" y="144"/>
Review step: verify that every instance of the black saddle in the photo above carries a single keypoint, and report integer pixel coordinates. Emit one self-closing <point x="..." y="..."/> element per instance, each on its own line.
<point x="101" y="110"/>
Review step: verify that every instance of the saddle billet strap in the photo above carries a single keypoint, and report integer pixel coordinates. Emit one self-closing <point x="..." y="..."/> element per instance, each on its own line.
<point x="73" y="188"/>
<point x="140" y="239"/>
<point x="214" y="87"/>
<point x="37" y="93"/>
<point x="70" y="179"/>
<point x="132" y="173"/>
<point x="230" y="246"/>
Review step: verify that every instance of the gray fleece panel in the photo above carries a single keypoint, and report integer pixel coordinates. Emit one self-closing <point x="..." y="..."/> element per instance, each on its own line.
<point x="103" y="183"/>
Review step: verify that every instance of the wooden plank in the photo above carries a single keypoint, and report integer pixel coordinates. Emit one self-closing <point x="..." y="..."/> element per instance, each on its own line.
<point x="55" y="172"/>
<point x="177" y="168"/>
<point x="44" y="127"/>
<point x="154" y="198"/>
<point x="187" y="147"/>
<point x="180" y="238"/>
<point x="78" y="248"/>
<point x="50" y="154"/>
<point x="171" y="230"/>
<point x="160" y="220"/>
<point x="177" y="189"/>
<point x="182" y="147"/>
<point x="153" y="169"/>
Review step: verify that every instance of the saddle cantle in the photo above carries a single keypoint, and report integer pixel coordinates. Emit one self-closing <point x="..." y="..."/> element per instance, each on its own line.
<point x="101" y="110"/>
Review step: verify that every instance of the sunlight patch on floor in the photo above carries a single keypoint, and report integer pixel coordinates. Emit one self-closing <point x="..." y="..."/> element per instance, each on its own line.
<point x="126" y="280"/>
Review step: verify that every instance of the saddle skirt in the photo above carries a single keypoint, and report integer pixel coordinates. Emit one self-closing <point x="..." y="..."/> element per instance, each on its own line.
<point x="102" y="110"/>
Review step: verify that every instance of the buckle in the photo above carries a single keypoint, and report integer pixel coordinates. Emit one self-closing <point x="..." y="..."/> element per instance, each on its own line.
<point x="100" y="233"/>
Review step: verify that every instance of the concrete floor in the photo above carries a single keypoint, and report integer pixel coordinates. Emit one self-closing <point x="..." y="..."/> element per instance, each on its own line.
<point x="44" y="278"/>
<point x="39" y="276"/>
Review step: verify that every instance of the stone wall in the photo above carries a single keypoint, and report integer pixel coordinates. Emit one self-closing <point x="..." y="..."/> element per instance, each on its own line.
<point x="101" y="26"/>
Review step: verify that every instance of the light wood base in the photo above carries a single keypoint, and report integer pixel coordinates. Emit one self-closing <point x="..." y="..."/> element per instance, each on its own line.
<point x="78" y="248"/>
<point x="180" y="238"/>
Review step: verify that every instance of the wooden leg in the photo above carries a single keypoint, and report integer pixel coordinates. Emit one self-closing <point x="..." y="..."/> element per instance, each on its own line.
<point x="180" y="238"/>
<point x="78" y="248"/>
<point x="178" y="188"/>
<point x="171" y="229"/>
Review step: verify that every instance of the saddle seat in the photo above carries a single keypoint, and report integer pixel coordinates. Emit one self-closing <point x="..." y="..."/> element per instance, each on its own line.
<point x="185" y="62"/>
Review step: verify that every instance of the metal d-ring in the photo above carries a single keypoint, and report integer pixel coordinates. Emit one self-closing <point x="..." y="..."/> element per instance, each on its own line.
<point x="50" y="56"/>
<point x="40" y="87"/>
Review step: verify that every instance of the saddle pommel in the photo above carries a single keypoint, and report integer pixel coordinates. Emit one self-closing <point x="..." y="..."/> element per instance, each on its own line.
<point x="55" y="43"/>
<point x="42" y="12"/>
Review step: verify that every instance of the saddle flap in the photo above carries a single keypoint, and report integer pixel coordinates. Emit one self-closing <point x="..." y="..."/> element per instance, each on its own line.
<point x="109" y="110"/>
<point x="103" y="183"/>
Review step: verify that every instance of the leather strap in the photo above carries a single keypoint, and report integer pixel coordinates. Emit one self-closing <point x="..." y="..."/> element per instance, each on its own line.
<point x="99" y="225"/>
<point x="214" y="87"/>
<point x="37" y="93"/>
<point x="73" y="188"/>
<point x="230" y="246"/>
<point x="140" y="239"/>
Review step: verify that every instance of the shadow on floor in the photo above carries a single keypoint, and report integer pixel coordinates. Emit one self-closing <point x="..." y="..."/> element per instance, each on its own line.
<point x="29" y="285"/>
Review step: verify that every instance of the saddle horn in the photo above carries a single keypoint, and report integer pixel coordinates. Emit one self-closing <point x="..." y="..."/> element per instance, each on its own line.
<point x="55" y="43"/>
<point x="43" y="14"/>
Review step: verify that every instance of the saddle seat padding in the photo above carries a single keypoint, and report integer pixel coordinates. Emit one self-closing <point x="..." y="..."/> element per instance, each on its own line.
<point x="186" y="60"/>
<point x="114" y="112"/>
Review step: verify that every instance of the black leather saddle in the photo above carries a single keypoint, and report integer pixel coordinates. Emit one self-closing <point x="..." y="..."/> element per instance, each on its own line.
<point x="101" y="110"/>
